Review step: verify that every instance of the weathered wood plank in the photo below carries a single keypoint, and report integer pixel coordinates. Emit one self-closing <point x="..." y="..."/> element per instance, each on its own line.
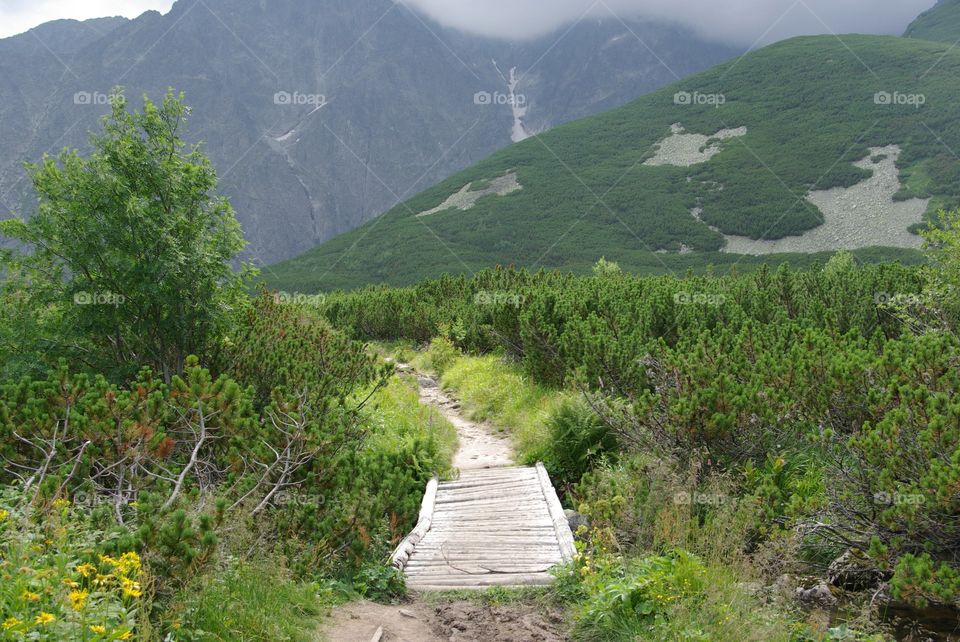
<point x="402" y="553"/>
<point x="515" y="579"/>
<point x="490" y="527"/>
<point x="564" y="535"/>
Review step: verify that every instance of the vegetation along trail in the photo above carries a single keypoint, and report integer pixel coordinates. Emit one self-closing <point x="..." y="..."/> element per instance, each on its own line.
<point x="441" y="618"/>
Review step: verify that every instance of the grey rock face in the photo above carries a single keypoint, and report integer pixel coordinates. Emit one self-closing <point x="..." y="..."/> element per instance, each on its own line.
<point x="320" y="115"/>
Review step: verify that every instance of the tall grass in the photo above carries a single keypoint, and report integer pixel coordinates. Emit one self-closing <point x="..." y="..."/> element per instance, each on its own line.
<point x="250" y="601"/>
<point x="397" y="418"/>
<point x="493" y="390"/>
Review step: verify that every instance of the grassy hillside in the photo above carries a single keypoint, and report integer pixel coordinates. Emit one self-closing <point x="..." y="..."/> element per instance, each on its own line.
<point x="810" y="111"/>
<point x="940" y="23"/>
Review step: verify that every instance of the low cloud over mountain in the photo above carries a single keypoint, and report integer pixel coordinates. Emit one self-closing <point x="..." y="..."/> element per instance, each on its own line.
<point x="743" y="22"/>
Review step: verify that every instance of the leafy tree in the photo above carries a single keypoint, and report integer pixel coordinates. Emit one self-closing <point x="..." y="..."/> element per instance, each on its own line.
<point x="128" y="256"/>
<point x="603" y="267"/>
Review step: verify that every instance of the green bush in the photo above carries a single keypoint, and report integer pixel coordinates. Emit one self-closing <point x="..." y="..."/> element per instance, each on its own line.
<point x="622" y="608"/>
<point x="440" y="355"/>
<point x="579" y="438"/>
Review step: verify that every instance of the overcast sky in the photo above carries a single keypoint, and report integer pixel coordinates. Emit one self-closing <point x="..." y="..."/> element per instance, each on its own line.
<point x="16" y="16"/>
<point x="738" y="21"/>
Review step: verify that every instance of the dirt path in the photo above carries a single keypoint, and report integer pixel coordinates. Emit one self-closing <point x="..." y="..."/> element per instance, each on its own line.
<point x="450" y="620"/>
<point x="481" y="446"/>
<point x="446" y="621"/>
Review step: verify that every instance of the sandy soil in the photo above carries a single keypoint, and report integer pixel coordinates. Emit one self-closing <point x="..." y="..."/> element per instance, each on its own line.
<point x="445" y="621"/>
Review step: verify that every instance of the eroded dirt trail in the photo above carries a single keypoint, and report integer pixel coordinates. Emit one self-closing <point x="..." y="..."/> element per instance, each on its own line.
<point x="446" y="621"/>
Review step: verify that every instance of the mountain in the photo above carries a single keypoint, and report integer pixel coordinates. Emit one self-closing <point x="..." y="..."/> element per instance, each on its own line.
<point x="941" y="23"/>
<point x="321" y="115"/>
<point x="805" y="146"/>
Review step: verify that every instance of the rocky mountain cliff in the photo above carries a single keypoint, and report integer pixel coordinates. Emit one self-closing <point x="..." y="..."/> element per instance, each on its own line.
<point x="321" y="115"/>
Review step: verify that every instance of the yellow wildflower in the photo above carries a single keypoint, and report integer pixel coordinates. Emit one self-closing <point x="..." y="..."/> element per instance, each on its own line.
<point x="44" y="618"/>
<point x="4" y="514"/>
<point x="86" y="570"/>
<point x="10" y="622"/>
<point x="71" y="583"/>
<point x="128" y="563"/>
<point x="126" y="635"/>
<point x="101" y="579"/>
<point x="78" y="599"/>
<point x="29" y="596"/>
<point x="98" y="628"/>
<point x="61" y="502"/>
<point x="130" y="588"/>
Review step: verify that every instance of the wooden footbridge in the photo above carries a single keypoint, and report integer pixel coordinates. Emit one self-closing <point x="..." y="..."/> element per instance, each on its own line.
<point x="489" y="527"/>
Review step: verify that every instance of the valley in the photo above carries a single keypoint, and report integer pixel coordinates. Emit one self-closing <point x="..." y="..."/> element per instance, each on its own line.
<point x="417" y="320"/>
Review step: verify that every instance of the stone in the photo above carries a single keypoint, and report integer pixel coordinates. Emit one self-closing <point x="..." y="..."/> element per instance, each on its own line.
<point x="819" y="595"/>
<point x="853" y="571"/>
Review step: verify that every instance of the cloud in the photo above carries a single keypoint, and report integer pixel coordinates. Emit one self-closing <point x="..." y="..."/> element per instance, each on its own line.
<point x="743" y="22"/>
<point x="17" y="16"/>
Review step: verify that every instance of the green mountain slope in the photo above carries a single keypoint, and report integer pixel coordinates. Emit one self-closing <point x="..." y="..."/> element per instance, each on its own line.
<point x="812" y="108"/>
<point x="940" y="23"/>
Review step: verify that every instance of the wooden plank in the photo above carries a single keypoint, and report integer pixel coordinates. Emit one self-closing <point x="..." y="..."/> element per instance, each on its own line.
<point x="439" y="561"/>
<point x="564" y="535"/>
<point x="490" y="527"/>
<point x="477" y="571"/>
<point x="402" y="553"/>
<point x="490" y="580"/>
<point x="466" y="485"/>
